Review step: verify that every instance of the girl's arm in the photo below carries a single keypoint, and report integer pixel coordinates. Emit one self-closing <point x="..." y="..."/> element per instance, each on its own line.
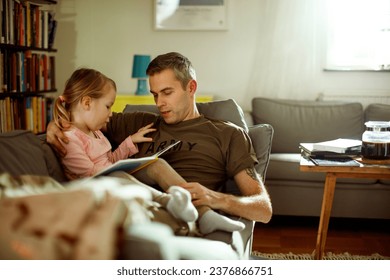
<point x="128" y="147"/>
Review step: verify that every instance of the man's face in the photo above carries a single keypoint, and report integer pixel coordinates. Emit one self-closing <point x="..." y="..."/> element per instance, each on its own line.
<point x="174" y="103"/>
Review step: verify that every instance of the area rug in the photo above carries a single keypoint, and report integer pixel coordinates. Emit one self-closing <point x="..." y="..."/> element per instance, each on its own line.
<point x="327" y="256"/>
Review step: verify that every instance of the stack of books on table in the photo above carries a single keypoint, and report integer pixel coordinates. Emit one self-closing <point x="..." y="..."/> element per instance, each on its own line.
<point x="335" y="152"/>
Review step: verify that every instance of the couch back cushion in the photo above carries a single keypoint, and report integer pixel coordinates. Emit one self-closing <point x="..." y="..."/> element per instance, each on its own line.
<point x="377" y="112"/>
<point x="53" y="163"/>
<point x="227" y="110"/>
<point x="22" y="152"/>
<point x="297" y="121"/>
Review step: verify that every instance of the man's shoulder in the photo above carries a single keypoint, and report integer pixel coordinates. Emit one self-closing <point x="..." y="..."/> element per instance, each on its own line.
<point x="223" y="124"/>
<point x="134" y="114"/>
<point x="121" y="125"/>
<point x="130" y="116"/>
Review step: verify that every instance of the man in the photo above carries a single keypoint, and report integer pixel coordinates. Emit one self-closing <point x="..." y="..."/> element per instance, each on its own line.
<point x="210" y="152"/>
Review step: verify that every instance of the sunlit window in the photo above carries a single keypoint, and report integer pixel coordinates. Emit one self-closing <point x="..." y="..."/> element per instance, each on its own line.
<point x="358" y="35"/>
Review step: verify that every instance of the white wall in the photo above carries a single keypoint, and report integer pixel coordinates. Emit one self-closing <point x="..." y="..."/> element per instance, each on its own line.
<point x="105" y="34"/>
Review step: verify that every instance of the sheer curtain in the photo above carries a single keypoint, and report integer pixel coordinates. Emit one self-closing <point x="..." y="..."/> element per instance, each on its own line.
<point x="358" y="38"/>
<point x="289" y="53"/>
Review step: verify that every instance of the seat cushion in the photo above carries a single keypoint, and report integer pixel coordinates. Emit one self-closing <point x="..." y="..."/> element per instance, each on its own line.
<point x="285" y="167"/>
<point x="297" y="121"/>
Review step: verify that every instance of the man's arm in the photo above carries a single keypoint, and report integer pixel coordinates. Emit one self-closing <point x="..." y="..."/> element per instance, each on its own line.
<point x="53" y="136"/>
<point x="254" y="204"/>
<point x="120" y="126"/>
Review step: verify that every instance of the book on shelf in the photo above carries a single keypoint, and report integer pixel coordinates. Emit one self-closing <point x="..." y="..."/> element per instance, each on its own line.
<point x="52" y="30"/>
<point x="338" y="146"/>
<point x="25" y="71"/>
<point x="30" y="113"/>
<point x="24" y="23"/>
<point x="132" y="165"/>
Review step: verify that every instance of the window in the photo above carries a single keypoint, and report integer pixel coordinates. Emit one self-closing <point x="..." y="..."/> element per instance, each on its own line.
<point x="358" y="35"/>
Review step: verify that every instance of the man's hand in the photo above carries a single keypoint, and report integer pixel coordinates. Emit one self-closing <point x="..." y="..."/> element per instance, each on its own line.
<point x="53" y="134"/>
<point x="254" y="203"/>
<point x="203" y="196"/>
<point x="139" y="136"/>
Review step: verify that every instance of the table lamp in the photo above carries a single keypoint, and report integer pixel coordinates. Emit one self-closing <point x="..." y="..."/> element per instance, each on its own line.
<point x="140" y="63"/>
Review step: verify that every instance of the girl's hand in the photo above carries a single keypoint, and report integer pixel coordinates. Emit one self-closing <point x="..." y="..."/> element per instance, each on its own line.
<point x="139" y="136"/>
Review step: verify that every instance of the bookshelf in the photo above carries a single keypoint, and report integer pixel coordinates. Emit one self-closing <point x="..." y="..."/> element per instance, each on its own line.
<point x="27" y="64"/>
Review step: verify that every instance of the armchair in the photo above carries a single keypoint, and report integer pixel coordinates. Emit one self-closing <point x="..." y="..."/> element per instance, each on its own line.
<point x="261" y="136"/>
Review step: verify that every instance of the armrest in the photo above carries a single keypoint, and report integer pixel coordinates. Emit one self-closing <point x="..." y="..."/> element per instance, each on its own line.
<point x="262" y="135"/>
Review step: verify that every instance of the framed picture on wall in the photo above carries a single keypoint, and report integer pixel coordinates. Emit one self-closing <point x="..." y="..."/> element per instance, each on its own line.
<point x="190" y="14"/>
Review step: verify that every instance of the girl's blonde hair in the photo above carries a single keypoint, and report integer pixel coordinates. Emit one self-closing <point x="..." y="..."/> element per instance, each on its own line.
<point x="83" y="82"/>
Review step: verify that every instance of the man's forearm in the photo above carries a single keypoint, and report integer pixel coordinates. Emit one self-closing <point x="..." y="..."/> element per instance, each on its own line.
<point x="255" y="207"/>
<point x="255" y="203"/>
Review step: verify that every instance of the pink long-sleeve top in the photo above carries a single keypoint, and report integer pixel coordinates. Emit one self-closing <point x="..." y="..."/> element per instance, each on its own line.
<point x="88" y="155"/>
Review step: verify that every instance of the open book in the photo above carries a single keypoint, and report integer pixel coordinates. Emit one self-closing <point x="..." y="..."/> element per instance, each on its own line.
<point x="132" y="165"/>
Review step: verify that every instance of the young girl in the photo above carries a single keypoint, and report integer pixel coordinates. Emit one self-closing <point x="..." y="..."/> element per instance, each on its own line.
<point x="82" y="110"/>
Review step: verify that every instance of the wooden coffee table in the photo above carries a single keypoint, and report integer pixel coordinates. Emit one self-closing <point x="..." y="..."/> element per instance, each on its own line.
<point x="332" y="173"/>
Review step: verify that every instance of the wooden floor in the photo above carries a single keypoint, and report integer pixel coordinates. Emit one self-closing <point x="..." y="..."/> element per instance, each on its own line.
<point x="284" y="234"/>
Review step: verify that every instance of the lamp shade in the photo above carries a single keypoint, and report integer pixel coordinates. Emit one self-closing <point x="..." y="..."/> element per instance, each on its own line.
<point x="140" y="63"/>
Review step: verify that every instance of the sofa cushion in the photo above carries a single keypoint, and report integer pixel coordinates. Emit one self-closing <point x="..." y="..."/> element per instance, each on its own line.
<point x="53" y="163"/>
<point x="227" y="110"/>
<point x="286" y="167"/>
<point x="297" y="121"/>
<point x="21" y="153"/>
<point x="377" y="112"/>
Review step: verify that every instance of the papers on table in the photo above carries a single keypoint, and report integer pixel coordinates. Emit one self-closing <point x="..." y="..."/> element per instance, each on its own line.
<point x="340" y="145"/>
<point x="334" y="152"/>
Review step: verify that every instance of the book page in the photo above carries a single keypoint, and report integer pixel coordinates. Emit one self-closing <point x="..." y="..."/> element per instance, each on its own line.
<point x="132" y="165"/>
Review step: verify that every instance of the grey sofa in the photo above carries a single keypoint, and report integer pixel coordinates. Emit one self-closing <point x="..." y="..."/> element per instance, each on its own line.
<point x="22" y="152"/>
<point x="300" y="193"/>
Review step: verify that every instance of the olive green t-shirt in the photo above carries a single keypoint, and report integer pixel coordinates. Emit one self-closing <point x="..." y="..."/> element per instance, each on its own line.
<point x="210" y="152"/>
